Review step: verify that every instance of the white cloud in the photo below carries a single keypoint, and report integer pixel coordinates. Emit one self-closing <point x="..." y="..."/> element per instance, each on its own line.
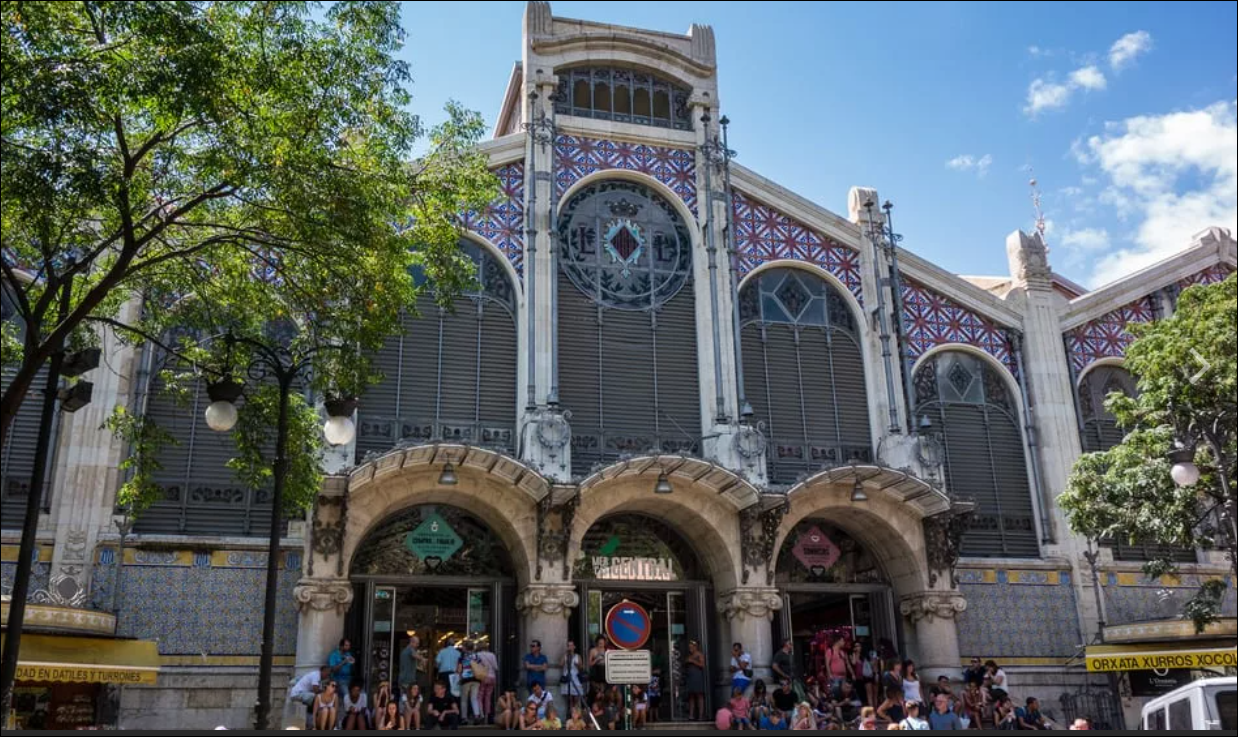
<point x="1070" y="191"/>
<point x="1086" y="239"/>
<point x="967" y="162"/>
<point x="1126" y="49"/>
<point x="1088" y="78"/>
<point x="1045" y="94"/>
<point x="1170" y="176"/>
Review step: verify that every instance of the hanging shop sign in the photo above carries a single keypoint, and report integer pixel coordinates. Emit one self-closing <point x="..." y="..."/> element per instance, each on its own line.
<point x="433" y="541"/>
<point x="1101" y="658"/>
<point x="816" y="551"/>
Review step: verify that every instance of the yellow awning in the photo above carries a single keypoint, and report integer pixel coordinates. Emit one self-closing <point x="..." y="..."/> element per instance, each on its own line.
<point x="1161" y="656"/>
<point x="52" y="659"/>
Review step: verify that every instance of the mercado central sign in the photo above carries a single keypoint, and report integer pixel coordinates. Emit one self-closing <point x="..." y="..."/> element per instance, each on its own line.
<point x="627" y="568"/>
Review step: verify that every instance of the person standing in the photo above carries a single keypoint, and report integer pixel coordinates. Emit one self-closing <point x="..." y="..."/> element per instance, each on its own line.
<point x="447" y="661"/>
<point x="694" y="681"/>
<point x="837" y="665"/>
<point x="784" y="661"/>
<point x="597" y="661"/>
<point x="443" y="711"/>
<point x="741" y="668"/>
<point x="911" y="683"/>
<point x="535" y="665"/>
<point x="410" y="663"/>
<point x="341" y="661"/>
<point x="570" y="687"/>
<point x="485" y="691"/>
<point x="469" y="685"/>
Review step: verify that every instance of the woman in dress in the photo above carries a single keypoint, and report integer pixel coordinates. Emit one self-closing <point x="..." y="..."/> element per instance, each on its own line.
<point x="694" y="681"/>
<point x="862" y="670"/>
<point x="326" y="705"/>
<point x="571" y="689"/>
<point x="597" y="661"/>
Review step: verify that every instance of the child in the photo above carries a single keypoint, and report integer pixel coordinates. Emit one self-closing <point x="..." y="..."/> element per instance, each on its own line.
<point x="598" y="712"/>
<point x="551" y="721"/>
<point x="774" y="721"/>
<point x="577" y="722"/>
<point x="739" y="707"/>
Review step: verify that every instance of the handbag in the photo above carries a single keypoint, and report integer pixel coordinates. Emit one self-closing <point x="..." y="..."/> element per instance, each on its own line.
<point x="480" y="671"/>
<point x="454" y="680"/>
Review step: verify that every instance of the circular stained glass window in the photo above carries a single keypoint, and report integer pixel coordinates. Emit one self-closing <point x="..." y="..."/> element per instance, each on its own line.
<point x="624" y="246"/>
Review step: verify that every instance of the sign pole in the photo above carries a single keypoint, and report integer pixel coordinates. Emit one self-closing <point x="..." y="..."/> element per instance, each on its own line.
<point x="627" y="707"/>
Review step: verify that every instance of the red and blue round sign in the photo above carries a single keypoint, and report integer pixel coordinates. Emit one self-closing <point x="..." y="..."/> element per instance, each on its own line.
<point x="628" y="625"/>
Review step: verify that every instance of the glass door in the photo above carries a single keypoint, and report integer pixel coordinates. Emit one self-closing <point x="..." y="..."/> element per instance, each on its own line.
<point x="677" y="652"/>
<point x="382" y="634"/>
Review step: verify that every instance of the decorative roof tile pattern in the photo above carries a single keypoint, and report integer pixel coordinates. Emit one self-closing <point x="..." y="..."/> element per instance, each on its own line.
<point x="1106" y="336"/>
<point x="763" y="234"/>
<point x="577" y="157"/>
<point x="1210" y="275"/>
<point x="503" y="222"/>
<point x="932" y="319"/>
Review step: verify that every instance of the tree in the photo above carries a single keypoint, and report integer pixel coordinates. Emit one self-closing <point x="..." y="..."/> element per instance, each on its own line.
<point x="1187" y="371"/>
<point x="219" y="159"/>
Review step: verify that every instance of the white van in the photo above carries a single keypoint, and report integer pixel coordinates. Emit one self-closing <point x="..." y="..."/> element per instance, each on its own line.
<point x="1210" y="703"/>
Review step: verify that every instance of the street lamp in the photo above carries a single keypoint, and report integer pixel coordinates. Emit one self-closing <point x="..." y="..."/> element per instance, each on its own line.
<point x="664" y="485"/>
<point x="285" y="366"/>
<point x="1184" y="471"/>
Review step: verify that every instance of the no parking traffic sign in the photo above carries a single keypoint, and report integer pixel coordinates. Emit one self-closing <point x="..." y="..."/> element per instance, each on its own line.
<point x="628" y="625"/>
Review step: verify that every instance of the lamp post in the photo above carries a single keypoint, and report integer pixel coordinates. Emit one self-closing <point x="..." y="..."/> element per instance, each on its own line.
<point x="1185" y="473"/>
<point x="285" y="366"/>
<point x="72" y="398"/>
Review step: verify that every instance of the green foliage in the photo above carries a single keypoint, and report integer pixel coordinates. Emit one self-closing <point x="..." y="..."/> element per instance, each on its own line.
<point x="255" y="438"/>
<point x="1187" y="371"/>
<point x="201" y="168"/>
<point x="145" y="440"/>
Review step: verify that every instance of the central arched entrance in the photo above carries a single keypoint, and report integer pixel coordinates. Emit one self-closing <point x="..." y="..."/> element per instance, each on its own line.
<point x="832" y="587"/>
<point x="639" y="558"/>
<point x="439" y="573"/>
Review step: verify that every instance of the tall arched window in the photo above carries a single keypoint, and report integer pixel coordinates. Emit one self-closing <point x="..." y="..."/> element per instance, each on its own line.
<point x="804" y="373"/>
<point x="450" y="374"/>
<point x="1099" y="431"/>
<point x="971" y="408"/>
<point x="627" y="325"/>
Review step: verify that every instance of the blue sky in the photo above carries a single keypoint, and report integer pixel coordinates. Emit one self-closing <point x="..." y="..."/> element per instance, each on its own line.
<point x="1126" y="111"/>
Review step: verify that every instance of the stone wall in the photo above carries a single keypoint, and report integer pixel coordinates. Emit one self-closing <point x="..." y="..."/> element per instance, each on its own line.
<point x="1018" y="614"/>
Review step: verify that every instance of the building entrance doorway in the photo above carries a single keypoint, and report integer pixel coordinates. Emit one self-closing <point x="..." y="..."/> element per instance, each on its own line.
<point x="832" y="588"/>
<point x="438" y="574"/>
<point x="642" y="560"/>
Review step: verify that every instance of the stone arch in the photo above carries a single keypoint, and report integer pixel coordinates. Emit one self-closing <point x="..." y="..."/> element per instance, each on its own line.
<point x="1116" y="361"/>
<point x="703" y="506"/>
<point x="509" y="269"/>
<point x="853" y="303"/>
<point x="1008" y="378"/>
<point x="499" y="490"/>
<point x="889" y="524"/>
<point x="681" y="207"/>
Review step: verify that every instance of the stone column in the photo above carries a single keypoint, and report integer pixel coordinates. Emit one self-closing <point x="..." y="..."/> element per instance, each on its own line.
<point x="544" y="611"/>
<point x="750" y="612"/>
<point x="936" y="645"/>
<point x="322" y="604"/>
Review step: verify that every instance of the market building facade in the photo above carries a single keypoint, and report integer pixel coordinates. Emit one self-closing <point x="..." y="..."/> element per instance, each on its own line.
<point x="675" y="383"/>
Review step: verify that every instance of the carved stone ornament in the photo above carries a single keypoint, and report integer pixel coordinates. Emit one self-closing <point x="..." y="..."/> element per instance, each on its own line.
<point x="327" y="536"/>
<point x="323" y="596"/>
<point x="943" y="539"/>
<point x="931" y="604"/>
<point x="548" y="600"/>
<point x="755" y="603"/>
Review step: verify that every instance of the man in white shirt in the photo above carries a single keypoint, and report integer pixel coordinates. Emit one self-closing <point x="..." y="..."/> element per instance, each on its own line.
<point x="307" y="687"/>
